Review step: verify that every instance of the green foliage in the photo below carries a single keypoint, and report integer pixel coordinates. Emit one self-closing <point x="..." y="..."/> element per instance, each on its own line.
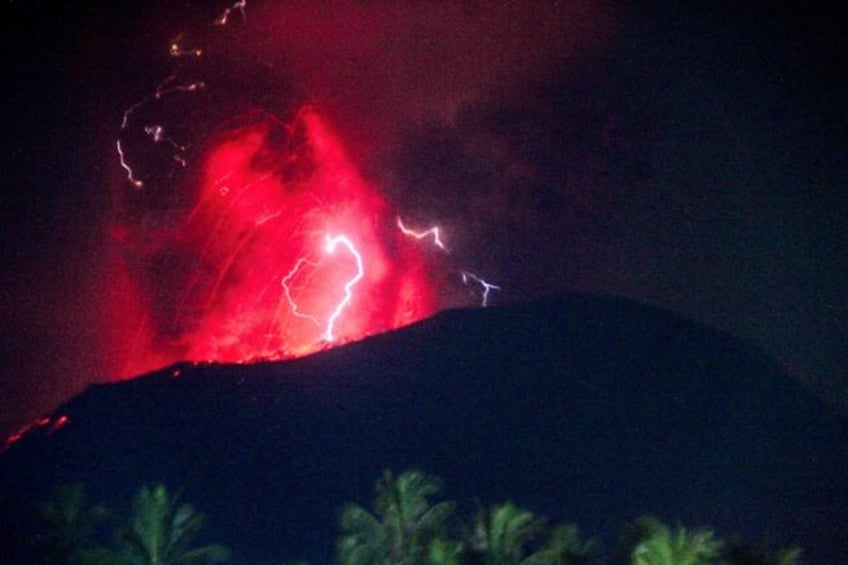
<point x="660" y="545"/>
<point x="445" y="552"/>
<point x="749" y="555"/>
<point x="69" y="525"/>
<point x="402" y="526"/>
<point x="365" y="540"/>
<point x="161" y="530"/>
<point x="502" y="533"/>
<point x="564" y="547"/>
<point x="788" y="556"/>
<point x="405" y="528"/>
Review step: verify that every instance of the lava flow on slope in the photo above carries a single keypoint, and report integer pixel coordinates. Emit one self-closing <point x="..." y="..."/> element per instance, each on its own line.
<point x="285" y="249"/>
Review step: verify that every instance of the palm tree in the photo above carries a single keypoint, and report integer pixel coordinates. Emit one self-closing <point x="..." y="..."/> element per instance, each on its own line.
<point x="659" y="545"/>
<point x="742" y="553"/>
<point x="502" y="534"/>
<point x="402" y="527"/>
<point x="445" y="552"/>
<point x="69" y="526"/>
<point x="787" y="556"/>
<point x="365" y="541"/>
<point x="564" y="547"/>
<point x="161" y="530"/>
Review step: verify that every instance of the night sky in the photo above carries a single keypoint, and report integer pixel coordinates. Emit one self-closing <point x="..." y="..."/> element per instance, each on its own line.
<point x="686" y="156"/>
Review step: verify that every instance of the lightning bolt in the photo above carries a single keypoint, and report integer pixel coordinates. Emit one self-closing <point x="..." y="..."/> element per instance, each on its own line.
<point x="165" y="88"/>
<point x="224" y="18"/>
<point x="175" y="50"/>
<point x="487" y="286"/>
<point x="285" y="282"/>
<point x="332" y="242"/>
<point x="434" y="231"/>
<point x="137" y="183"/>
<point x="156" y="132"/>
<point x="329" y="248"/>
<point x="467" y="277"/>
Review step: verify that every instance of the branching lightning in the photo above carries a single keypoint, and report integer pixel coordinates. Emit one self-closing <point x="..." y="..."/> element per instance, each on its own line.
<point x="165" y="88"/>
<point x="360" y="272"/>
<point x="330" y="245"/>
<point x="287" y="289"/>
<point x="468" y="278"/>
<point x="434" y="232"/>
<point x="248" y="231"/>
<point x="155" y="132"/>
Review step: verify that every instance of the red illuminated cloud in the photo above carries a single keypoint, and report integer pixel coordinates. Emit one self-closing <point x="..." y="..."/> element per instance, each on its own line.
<point x="233" y="265"/>
<point x="286" y="249"/>
<point x="377" y="67"/>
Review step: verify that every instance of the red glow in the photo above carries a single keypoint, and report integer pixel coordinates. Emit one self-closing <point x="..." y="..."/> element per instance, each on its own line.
<point x="284" y="249"/>
<point x="37" y="424"/>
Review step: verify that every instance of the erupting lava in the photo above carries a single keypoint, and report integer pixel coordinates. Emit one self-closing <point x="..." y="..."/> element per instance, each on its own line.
<point x="285" y="250"/>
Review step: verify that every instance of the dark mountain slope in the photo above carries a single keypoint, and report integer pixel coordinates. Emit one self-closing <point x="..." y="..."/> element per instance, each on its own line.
<point x="581" y="408"/>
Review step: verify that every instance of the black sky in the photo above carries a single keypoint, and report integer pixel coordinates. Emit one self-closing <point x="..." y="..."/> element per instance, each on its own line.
<point x="688" y="156"/>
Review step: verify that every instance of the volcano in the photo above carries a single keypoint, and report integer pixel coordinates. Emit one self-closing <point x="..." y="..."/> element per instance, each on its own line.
<point x="582" y="408"/>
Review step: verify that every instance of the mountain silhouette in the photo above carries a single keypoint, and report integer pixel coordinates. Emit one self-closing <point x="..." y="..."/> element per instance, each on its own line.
<point x="582" y="408"/>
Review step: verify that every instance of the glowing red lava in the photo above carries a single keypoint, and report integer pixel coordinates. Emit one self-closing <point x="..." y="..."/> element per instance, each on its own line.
<point x="55" y="423"/>
<point x="286" y="250"/>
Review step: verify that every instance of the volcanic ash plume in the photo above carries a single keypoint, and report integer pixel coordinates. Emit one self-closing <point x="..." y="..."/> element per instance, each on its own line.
<point x="287" y="249"/>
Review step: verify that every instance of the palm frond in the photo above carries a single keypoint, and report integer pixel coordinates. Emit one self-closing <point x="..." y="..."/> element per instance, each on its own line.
<point x="161" y="531"/>
<point x="202" y="555"/>
<point x="445" y="552"/>
<point x="503" y="532"/>
<point x="660" y="545"/>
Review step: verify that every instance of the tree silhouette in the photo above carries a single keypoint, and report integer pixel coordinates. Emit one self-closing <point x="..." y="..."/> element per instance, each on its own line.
<point x="446" y="552"/>
<point x="564" y="547"/>
<point x="406" y="529"/>
<point x="743" y="554"/>
<point x="502" y="534"/>
<point x="69" y="525"/>
<point x="660" y="545"/>
<point x="161" y="530"/>
<point x="402" y="527"/>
